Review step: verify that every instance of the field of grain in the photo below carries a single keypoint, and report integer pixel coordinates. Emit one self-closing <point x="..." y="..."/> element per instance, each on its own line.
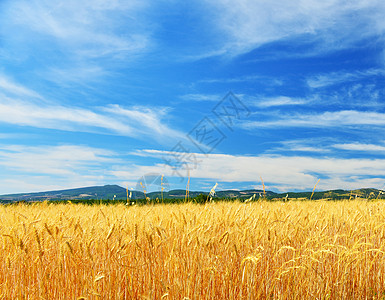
<point x="294" y="250"/>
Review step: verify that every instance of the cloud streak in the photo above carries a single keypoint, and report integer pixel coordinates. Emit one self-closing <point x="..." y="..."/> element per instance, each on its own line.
<point x="147" y="121"/>
<point x="35" y="111"/>
<point x="360" y="147"/>
<point x="87" y="28"/>
<point x="134" y="122"/>
<point x="200" y="97"/>
<point x="267" y="102"/>
<point x="250" y="24"/>
<point x="68" y="41"/>
<point x="336" y="119"/>
<point x="10" y="87"/>
<point x="334" y="78"/>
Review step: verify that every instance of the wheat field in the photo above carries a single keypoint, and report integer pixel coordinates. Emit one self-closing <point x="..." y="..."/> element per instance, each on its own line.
<point x="224" y="250"/>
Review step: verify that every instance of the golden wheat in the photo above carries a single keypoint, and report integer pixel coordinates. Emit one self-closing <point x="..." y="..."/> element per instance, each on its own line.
<point x="258" y="250"/>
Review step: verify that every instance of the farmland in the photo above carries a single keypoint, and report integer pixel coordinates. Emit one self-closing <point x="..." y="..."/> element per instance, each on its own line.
<point x="224" y="250"/>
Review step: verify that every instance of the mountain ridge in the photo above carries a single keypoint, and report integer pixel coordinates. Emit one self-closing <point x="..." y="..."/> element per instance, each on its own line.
<point x="119" y="193"/>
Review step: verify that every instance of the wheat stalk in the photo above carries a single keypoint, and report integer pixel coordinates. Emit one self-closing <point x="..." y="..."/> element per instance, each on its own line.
<point x="264" y="190"/>
<point x="187" y="196"/>
<point x="161" y="186"/>
<point x="312" y="193"/>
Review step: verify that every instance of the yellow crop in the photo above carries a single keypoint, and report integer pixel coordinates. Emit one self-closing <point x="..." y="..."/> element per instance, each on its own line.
<point x="258" y="250"/>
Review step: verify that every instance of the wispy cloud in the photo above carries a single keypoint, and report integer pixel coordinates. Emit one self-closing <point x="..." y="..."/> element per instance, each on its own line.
<point x="146" y="120"/>
<point x="8" y="86"/>
<point x="324" y="80"/>
<point x="200" y="97"/>
<point x="314" y="145"/>
<point x="249" y="24"/>
<point x="86" y="28"/>
<point x="58" y="117"/>
<point x="258" y="101"/>
<point x="78" y="73"/>
<point x="328" y="146"/>
<point x="266" y="102"/>
<point x="270" y="81"/>
<point x="324" y="119"/>
<point x="135" y="122"/>
<point x="34" y="110"/>
<point x="75" y="41"/>
<point x="360" y="147"/>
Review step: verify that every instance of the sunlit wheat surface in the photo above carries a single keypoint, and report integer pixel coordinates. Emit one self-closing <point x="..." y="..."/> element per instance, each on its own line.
<point x="258" y="250"/>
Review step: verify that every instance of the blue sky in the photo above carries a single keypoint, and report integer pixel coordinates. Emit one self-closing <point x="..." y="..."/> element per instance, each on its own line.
<point x="105" y="92"/>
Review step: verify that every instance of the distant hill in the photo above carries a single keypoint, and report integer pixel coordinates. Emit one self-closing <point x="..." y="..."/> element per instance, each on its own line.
<point x="118" y="192"/>
<point x="93" y="192"/>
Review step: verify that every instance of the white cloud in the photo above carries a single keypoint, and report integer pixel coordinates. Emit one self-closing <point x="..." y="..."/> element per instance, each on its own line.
<point x="264" y="102"/>
<point x="324" y="119"/>
<point x="360" y="147"/>
<point x="57" y="167"/>
<point x="135" y="122"/>
<point x="8" y="86"/>
<point x="200" y="97"/>
<point x="27" y="184"/>
<point x="86" y="28"/>
<point x="324" y="80"/>
<point x="147" y="121"/>
<point x="307" y="145"/>
<point x="325" y="145"/>
<point x="45" y="167"/>
<point x="259" y="101"/>
<point x="36" y="111"/>
<point x="248" y="24"/>
<point x="247" y="78"/>
<point x="59" y="117"/>
<point x="75" y="41"/>
<point x="80" y="74"/>
<point x="65" y="160"/>
<point x="279" y="171"/>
